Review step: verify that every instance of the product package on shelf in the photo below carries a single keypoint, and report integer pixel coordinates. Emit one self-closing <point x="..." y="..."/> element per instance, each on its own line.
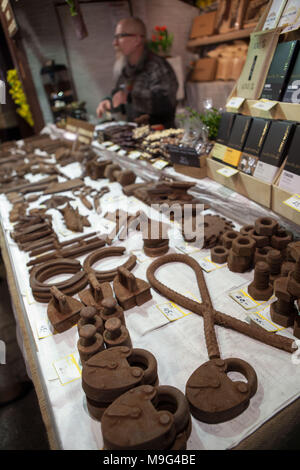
<point x="225" y="126"/>
<point x="254" y="143"/>
<point x="280" y="70"/>
<point x="260" y="52"/>
<point x="274" y="150"/>
<point x="237" y="139"/>
<point x="290" y="176"/>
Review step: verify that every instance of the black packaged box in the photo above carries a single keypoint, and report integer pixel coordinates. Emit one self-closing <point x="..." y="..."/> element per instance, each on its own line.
<point x="292" y="91"/>
<point x="184" y="155"/>
<point x="280" y="70"/>
<point x="225" y="126"/>
<point x="293" y="155"/>
<point x="239" y="132"/>
<point x="253" y="145"/>
<point x="257" y="135"/>
<point x="277" y="142"/>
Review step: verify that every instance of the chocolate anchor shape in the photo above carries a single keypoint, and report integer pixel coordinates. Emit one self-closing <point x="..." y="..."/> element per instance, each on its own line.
<point x="147" y="417"/>
<point x="109" y="373"/>
<point x="213" y="397"/>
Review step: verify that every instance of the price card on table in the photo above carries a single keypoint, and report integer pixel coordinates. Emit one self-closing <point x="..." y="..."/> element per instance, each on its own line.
<point x="186" y="248"/>
<point x="105" y="225"/>
<point x="67" y="369"/>
<point x="140" y="255"/>
<point x="134" y="155"/>
<point x="114" y="148"/>
<point x="235" y="103"/>
<point x="43" y="326"/>
<point x="244" y="299"/>
<point x="293" y="202"/>
<point x="227" y="171"/>
<point x="122" y="152"/>
<point x="265" y="105"/>
<point x="208" y="265"/>
<point x="171" y="311"/>
<point x="107" y="143"/>
<point x="160" y="164"/>
<point x="263" y="319"/>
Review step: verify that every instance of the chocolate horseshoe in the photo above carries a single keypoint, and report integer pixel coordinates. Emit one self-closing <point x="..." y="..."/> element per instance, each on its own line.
<point x="253" y="331"/>
<point x="147" y="417"/>
<point x="105" y="253"/>
<point x="42" y="291"/>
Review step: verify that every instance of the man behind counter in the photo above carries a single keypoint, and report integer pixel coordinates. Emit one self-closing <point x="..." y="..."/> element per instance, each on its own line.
<point x="147" y="83"/>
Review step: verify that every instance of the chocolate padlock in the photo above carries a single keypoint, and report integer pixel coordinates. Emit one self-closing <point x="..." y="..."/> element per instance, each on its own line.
<point x="213" y="396"/>
<point x="108" y="374"/>
<point x="147" y="417"/>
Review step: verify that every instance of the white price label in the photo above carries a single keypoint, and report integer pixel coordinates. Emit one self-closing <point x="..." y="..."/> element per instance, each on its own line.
<point x="262" y="318"/>
<point x="208" y="266"/>
<point x="186" y="248"/>
<point x="291" y="27"/>
<point x="122" y="152"/>
<point x="114" y="148"/>
<point x="67" y="369"/>
<point x="244" y="299"/>
<point x="107" y="143"/>
<point x="160" y="164"/>
<point x="134" y="155"/>
<point x="171" y="311"/>
<point x="265" y="105"/>
<point x="293" y="202"/>
<point x="235" y="103"/>
<point x="227" y="171"/>
<point x="43" y="326"/>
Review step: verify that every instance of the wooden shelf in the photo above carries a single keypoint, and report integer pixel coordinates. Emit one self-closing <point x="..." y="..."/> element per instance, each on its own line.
<point x="218" y="38"/>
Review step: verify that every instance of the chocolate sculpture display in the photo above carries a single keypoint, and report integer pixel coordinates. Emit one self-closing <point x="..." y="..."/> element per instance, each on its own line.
<point x="147" y="417"/>
<point x="108" y="374"/>
<point x="63" y="311"/>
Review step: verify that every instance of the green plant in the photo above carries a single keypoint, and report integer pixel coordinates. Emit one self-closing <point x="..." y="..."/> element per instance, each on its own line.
<point x="210" y="118"/>
<point x="72" y="6"/>
<point x="161" y="40"/>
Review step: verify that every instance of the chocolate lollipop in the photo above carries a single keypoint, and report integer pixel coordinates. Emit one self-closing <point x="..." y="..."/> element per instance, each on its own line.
<point x="213" y="397"/>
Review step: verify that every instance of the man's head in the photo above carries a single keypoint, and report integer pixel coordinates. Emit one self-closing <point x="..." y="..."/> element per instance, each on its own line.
<point x="130" y="37"/>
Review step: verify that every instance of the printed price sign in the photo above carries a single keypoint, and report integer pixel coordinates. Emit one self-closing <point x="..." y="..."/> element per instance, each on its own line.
<point x="262" y="318"/>
<point x="207" y="265"/>
<point x="107" y="143"/>
<point x="134" y="155"/>
<point x="122" y="152"/>
<point x="171" y="311"/>
<point x="293" y="202"/>
<point x="235" y="103"/>
<point x="244" y="299"/>
<point x="43" y="326"/>
<point x="228" y="172"/>
<point x="186" y="248"/>
<point x="160" y="164"/>
<point x="67" y="369"/>
<point x="265" y="105"/>
<point x="114" y="148"/>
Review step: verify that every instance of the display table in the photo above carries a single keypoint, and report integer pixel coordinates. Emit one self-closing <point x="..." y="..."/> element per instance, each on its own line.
<point x="177" y="343"/>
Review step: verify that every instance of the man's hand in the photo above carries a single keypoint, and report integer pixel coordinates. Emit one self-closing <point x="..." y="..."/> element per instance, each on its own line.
<point x="119" y="98"/>
<point x="103" y="106"/>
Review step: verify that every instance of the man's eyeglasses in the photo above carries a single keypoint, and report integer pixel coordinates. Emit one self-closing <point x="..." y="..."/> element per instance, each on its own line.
<point x="124" y="35"/>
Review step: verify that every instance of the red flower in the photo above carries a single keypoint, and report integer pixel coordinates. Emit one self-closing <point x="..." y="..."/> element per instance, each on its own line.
<point x="160" y="38"/>
<point x="153" y="37"/>
<point x="157" y="28"/>
<point x="163" y="28"/>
